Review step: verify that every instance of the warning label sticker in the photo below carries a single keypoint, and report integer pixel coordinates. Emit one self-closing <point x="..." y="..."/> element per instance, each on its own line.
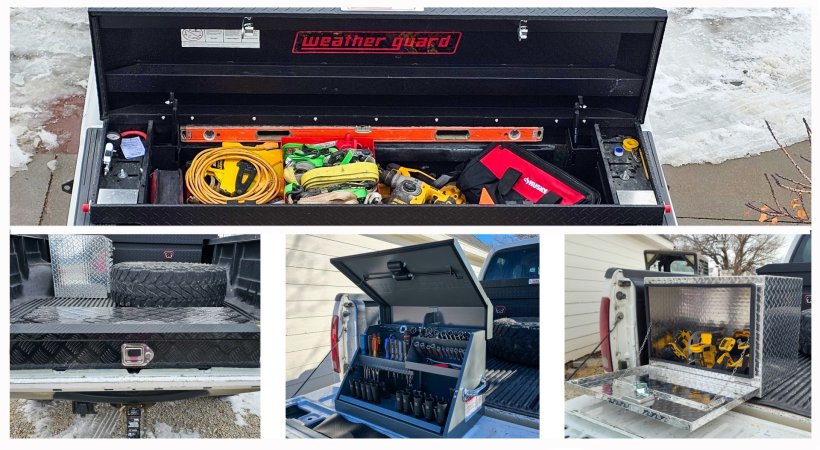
<point x="213" y="38"/>
<point x="472" y="406"/>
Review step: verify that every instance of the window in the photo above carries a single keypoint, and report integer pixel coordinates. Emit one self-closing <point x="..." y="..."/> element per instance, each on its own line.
<point x="519" y="262"/>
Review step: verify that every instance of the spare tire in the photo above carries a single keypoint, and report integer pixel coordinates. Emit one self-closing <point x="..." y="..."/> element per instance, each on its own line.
<point x="168" y="284"/>
<point x="516" y="339"/>
<point x="805" y="332"/>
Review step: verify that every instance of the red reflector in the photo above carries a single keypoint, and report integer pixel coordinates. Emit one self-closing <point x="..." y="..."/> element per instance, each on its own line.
<point x="603" y="329"/>
<point x="667" y="208"/>
<point x="86" y="207"/>
<point x="334" y="344"/>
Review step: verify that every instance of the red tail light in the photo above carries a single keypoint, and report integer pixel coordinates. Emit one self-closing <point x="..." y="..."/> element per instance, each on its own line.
<point x="334" y="344"/>
<point x="603" y="330"/>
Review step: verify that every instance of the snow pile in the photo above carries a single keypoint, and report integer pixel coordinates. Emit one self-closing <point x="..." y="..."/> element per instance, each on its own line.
<point x="50" y="56"/>
<point x="244" y="404"/>
<point x="721" y="73"/>
<point x="39" y="414"/>
<point x="164" y="431"/>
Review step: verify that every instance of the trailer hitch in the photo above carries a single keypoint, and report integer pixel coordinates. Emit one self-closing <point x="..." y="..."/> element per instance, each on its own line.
<point x="133" y="421"/>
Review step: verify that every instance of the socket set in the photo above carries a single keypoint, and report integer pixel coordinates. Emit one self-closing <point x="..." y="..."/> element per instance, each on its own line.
<point x="420" y="371"/>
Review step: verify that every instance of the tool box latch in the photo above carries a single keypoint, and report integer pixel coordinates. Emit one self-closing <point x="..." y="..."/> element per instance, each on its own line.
<point x="522" y="30"/>
<point x="467" y="394"/>
<point x="247" y="27"/>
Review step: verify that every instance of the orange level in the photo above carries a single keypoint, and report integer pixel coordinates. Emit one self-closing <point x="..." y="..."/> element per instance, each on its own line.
<point x="379" y="134"/>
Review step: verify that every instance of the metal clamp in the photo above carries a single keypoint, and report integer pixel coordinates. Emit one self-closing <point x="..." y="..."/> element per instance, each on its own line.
<point x="467" y="394"/>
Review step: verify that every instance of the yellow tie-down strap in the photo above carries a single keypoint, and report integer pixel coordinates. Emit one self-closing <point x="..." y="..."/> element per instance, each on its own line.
<point x="322" y="177"/>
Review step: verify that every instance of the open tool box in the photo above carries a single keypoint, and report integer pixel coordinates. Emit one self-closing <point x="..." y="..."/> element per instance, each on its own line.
<point x="419" y="370"/>
<point x="750" y="324"/>
<point x="432" y="89"/>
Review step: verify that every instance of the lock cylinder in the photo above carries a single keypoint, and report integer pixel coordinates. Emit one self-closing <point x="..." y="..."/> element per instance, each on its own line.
<point x="136" y="355"/>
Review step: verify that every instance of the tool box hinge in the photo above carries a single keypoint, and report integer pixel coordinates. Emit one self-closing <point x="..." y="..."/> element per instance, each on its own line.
<point x="578" y="108"/>
<point x="173" y="102"/>
<point x="522" y="30"/>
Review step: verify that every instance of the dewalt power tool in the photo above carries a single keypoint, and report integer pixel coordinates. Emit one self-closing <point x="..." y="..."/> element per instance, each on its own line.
<point x="414" y="187"/>
<point x="701" y="350"/>
<point x="735" y="352"/>
<point x="677" y="350"/>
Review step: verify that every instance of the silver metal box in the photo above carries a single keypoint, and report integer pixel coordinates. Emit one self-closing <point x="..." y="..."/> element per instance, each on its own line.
<point x="687" y="395"/>
<point x="81" y="265"/>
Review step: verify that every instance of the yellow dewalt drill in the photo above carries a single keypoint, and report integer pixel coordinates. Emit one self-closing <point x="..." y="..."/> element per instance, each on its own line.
<point x="414" y="187"/>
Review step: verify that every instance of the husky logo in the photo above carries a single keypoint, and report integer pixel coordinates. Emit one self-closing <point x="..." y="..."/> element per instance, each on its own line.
<point x="535" y="186"/>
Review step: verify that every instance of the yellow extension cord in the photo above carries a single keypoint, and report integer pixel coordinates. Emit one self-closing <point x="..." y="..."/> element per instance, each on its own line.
<point x="262" y="190"/>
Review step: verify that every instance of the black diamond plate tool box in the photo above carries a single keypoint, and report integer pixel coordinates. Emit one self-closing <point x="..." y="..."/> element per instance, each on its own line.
<point x="64" y="333"/>
<point x="428" y="90"/>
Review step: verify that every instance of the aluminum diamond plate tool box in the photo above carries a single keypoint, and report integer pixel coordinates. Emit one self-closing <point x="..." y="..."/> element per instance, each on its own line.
<point x="81" y="265"/>
<point x="714" y="342"/>
<point x="419" y="371"/>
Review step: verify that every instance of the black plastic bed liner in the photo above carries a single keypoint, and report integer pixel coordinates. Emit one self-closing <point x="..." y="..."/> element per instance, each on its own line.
<point x="794" y="395"/>
<point x="513" y="387"/>
<point x="68" y="333"/>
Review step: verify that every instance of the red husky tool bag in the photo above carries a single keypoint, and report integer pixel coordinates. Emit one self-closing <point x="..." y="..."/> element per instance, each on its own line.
<point x="512" y="174"/>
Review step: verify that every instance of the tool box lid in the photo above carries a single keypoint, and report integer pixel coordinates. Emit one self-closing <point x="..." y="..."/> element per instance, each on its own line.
<point x="333" y="64"/>
<point x="433" y="275"/>
<point x="668" y="394"/>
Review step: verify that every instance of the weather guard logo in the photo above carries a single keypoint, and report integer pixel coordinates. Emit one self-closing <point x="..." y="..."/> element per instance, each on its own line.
<point x="375" y="42"/>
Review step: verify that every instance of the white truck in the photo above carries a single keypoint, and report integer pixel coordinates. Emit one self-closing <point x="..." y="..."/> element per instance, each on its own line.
<point x="785" y="412"/>
<point x="510" y="279"/>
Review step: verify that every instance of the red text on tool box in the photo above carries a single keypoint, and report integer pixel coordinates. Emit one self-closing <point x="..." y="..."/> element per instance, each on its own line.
<point x="374" y="42"/>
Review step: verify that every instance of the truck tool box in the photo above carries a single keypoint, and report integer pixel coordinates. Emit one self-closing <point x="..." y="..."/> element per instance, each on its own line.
<point x="419" y="371"/>
<point x="75" y="332"/>
<point x="714" y="343"/>
<point x="415" y="91"/>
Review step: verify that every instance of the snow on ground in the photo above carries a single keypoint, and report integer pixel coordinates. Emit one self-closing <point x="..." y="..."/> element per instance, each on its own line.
<point x="164" y="431"/>
<point x="244" y="404"/>
<point x="49" y="57"/>
<point x="721" y="73"/>
<point x="39" y="415"/>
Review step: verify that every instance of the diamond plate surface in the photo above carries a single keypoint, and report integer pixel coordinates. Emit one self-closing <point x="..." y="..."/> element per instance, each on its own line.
<point x="489" y="12"/>
<point x="88" y="333"/>
<point x="718" y="309"/>
<point x="123" y="315"/>
<point x="377" y="215"/>
<point x="776" y="321"/>
<point x="81" y="265"/>
<point x="96" y="351"/>
<point x="680" y="399"/>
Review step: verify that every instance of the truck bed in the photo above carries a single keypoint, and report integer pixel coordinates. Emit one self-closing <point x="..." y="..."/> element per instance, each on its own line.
<point x="305" y="412"/>
<point x="513" y="387"/>
<point x="794" y="395"/>
<point x="76" y="333"/>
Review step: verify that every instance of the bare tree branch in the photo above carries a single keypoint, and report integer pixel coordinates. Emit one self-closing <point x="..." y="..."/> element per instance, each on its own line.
<point x="797" y="209"/>
<point x="785" y="152"/>
<point x="738" y="254"/>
